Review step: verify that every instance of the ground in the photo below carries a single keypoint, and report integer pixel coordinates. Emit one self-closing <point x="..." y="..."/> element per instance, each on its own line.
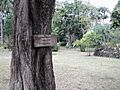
<point x="74" y="71"/>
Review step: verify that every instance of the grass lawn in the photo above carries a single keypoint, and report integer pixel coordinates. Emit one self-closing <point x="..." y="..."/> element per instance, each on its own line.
<point x="4" y="68"/>
<point x="74" y="71"/>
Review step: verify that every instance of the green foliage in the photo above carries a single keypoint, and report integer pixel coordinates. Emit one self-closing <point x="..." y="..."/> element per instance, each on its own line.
<point x="8" y="32"/>
<point x="115" y="16"/>
<point x="8" y="25"/>
<point x="104" y="31"/>
<point x="6" y="46"/>
<point x="76" y="18"/>
<point x="115" y="19"/>
<point x="1" y="4"/>
<point x="99" y="14"/>
<point x="90" y="39"/>
<point x="103" y="12"/>
<point x="118" y="45"/>
<point x="56" y="48"/>
<point x="81" y="44"/>
<point x="72" y="18"/>
<point x="115" y="36"/>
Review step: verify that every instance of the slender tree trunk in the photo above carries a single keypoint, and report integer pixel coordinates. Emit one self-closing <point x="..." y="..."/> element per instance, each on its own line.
<point x="69" y="40"/>
<point x="103" y="21"/>
<point x="31" y="68"/>
<point x="1" y="25"/>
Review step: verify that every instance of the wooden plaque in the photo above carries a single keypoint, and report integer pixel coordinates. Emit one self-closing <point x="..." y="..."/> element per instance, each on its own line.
<point x="45" y="40"/>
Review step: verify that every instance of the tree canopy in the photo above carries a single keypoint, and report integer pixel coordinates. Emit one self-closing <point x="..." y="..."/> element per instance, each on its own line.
<point x="115" y="16"/>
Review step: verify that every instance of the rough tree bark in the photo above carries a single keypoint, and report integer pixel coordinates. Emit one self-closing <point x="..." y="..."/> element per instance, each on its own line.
<point x="31" y="68"/>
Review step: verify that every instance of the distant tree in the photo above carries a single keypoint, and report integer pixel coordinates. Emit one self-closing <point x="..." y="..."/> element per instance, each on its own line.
<point x="98" y="14"/>
<point x="115" y="16"/>
<point x="115" y="27"/>
<point x="71" y="20"/>
<point x="104" y="31"/>
<point x="6" y="7"/>
<point x="103" y="12"/>
<point x="8" y="32"/>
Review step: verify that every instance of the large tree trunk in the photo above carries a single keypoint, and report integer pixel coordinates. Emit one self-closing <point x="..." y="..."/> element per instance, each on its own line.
<point x="31" y="68"/>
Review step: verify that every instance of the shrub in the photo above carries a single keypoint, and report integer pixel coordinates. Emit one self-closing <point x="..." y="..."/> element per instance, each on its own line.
<point x="55" y="48"/>
<point x="80" y="44"/>
<point x="90" y="39"/>
<point x="63" y="43"/>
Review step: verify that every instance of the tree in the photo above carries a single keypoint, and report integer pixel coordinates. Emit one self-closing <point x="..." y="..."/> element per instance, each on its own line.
<point x="71" y="21"/>
<point x="98" y="14"/>
<point x="31" y="67"/>
<point x="115" y="33"/>
<point x="5" y="9"/>
<point x="104" y="31"/>
<point x="8" y="31"/>
<point x="103" y="12"/>
<point x="115" y="27"/>
<point x="94" y="15"/>
<point x="115" y="16"/>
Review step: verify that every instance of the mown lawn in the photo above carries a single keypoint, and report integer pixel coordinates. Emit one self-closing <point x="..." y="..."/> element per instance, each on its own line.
<point x="74" y="71"/>
<point x="4" y="68"/>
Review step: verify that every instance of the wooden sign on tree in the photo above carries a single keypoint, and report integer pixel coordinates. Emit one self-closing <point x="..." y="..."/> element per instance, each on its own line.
<point x="45" y="40"/>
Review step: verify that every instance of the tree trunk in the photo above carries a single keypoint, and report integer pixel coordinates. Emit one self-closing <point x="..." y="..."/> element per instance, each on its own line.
<point x="69" y="40"/>
<point x="31" y="68"/>
<point x="1" y="25"/>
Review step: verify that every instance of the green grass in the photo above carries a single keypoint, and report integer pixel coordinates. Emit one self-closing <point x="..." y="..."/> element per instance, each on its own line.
<point x="4" y="69"/>
<point x="74" y="71"/>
